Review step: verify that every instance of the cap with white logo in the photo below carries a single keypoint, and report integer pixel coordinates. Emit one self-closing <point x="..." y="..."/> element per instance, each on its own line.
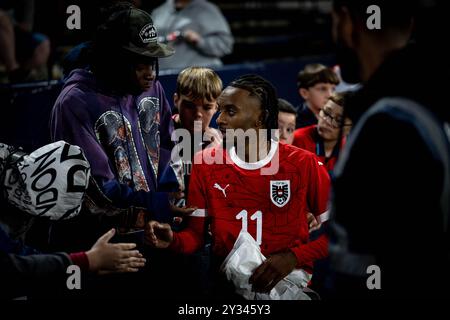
<point x="134" y="31"/>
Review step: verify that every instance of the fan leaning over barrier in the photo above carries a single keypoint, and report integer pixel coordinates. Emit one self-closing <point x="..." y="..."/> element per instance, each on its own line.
<point x="50" y="182"/>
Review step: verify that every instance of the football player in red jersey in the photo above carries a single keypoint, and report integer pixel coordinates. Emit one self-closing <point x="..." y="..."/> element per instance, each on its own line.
<point x="236" y="193"/>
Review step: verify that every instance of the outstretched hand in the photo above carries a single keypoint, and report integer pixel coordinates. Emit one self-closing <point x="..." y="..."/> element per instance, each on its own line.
<point x="105" y="257"/>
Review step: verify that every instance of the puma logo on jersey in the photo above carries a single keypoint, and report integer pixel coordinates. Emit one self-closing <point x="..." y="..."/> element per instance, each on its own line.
<point x="217" y="186"/>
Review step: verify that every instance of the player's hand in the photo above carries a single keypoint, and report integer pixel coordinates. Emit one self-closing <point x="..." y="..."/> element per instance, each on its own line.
<point x="272" y="271"/>
<point x="313" y="224"/>
<point x="158" y="235"/>
<point x="179" y="210"/>
<point x="105" y="257"/>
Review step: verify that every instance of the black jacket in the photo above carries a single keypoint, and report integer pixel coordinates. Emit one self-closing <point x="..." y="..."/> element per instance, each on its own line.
<point x="25" y="272"/>
<point x="387" y="192"/>
<point x="305" y="117"/>
<point x="29" y="275"/>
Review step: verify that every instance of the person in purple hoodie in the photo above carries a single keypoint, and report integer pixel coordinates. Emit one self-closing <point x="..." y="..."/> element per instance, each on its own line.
<point x="117" y="112"/>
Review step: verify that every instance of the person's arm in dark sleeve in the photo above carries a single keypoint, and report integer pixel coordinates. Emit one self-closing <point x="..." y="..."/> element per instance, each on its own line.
<point x="20" y="274"/>
<point x="126" y="199"/>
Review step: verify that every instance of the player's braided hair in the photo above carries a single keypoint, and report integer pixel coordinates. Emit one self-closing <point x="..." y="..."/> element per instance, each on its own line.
<point x="267" y="95"/>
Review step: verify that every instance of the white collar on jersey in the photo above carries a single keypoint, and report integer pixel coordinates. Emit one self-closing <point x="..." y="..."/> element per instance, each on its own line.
<point x="254" y="165"/>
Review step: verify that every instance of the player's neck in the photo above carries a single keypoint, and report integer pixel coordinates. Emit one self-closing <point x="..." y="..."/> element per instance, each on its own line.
<point x="261" y="151"/>
<point x="313" y="109"/>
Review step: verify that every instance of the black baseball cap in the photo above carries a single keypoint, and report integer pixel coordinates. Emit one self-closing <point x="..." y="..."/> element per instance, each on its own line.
<point x="133" y="30"/>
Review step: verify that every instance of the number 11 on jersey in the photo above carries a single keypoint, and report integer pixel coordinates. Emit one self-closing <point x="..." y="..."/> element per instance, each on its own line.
<point x="256" y="216"/>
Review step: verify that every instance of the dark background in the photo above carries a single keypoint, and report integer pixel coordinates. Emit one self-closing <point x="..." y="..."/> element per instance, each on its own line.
<point x="262" y="29"/>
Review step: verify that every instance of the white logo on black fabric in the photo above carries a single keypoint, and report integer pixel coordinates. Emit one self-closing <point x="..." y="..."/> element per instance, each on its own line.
<point x="148" y="34"/>
<point x="49" y="182"/>
<point x="280" y="191"/>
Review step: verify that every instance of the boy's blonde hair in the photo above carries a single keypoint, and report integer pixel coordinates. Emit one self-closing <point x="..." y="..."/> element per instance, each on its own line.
<point x="199" y="83"/>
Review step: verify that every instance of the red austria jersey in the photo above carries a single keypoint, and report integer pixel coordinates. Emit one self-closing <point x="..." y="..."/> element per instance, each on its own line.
<point x="307" y="138"/>
<point x="272" y="208"/>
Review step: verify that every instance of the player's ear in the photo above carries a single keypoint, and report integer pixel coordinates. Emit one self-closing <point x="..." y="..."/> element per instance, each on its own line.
<point x="261" y="120"/>
<point x="304" y="93"/>
<point x="347" y="127"/>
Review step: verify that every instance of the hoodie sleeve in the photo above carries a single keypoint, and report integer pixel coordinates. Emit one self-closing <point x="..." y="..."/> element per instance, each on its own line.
<point x="71" y="122"/>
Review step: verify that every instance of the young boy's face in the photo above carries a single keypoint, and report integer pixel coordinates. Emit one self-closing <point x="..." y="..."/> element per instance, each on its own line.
<point x="330" y="120"/>
<point x="286" y="125"/>
<point x="194" y="110"/>
<point x="317" y="96"/>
